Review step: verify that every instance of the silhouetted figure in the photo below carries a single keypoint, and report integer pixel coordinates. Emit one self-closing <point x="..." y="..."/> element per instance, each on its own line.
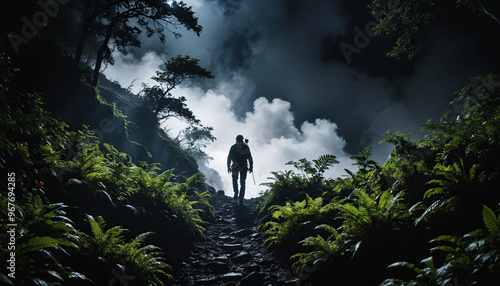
<point x="239" y="154"/>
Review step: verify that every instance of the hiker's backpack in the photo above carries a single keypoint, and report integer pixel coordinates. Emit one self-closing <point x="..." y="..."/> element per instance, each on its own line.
<point x="241" y="152"/>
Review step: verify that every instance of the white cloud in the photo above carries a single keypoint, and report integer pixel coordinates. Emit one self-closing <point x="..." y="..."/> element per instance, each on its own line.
<point x="128" y="69"/>
<point x="194" y="3"/>
<point x="274" y="139"/>
<point x="270" y="125"/>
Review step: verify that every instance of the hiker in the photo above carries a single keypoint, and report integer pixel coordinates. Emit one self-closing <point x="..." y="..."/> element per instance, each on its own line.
<point x="239" y="154"/>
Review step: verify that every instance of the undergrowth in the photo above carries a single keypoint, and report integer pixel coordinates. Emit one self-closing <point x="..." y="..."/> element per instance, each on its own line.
<point x="417" y="217"/>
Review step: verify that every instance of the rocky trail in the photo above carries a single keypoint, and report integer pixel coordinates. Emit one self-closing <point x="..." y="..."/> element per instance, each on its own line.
<point x="231" y="252"/>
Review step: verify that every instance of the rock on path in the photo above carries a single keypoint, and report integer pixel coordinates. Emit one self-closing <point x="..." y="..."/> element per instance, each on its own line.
<point x="231" y="252"/>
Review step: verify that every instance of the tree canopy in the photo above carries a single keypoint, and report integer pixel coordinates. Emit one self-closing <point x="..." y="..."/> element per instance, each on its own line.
<point x="173" y="72"/>
<point x="118" y="24"/>
<point x="406" y="18"/>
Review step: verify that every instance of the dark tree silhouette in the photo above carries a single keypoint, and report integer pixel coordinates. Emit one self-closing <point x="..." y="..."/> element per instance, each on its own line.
<point x="117" y="23"/>
<point x="90" y="10"/>
<point x="173" y="73"/>
<point x="406" y="18"/>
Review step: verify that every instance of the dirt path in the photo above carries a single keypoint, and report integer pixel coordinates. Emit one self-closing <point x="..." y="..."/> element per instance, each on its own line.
<point x="231" y="253"/>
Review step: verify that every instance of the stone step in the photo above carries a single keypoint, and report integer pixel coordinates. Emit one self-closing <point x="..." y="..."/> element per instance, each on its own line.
<point x="231" y="247"/>
<point x="232" y="253"/>
<point x="241" y="257"/>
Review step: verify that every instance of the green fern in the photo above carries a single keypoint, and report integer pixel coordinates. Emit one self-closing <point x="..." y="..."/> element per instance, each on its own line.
<point x="180" y="200"/>
<point x="44" y="236"/>
<point x="288" y="185"/>
<point x="386" y="200"/>
<point x="110" y="245"/>
<point x="324" y="162"/>
<point x="39" y="243"/>
<point x="474" y="257"/>
<point x="363" y="162"/>
<point x="442" y="205"/>
<point x="453" y="177"/>
<point x="451" y="187"/>
<point x="427" y="275"/>
<point x="364" y="213"/>
<point x="115" y="178"/>
<point x="291" y="217"/>
<point x="324" y="249"/>
<point x="491" y="221"/>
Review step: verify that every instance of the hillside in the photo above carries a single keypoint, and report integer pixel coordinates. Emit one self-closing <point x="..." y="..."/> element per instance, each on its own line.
<point x="117" y="117"/>
<point x="95" y="188"/>
<point x="90" y="191"/>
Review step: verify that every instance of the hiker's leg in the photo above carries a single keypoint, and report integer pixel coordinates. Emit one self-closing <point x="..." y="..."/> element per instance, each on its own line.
<point x="243" y="177"/>
<point x="235" y="183"/>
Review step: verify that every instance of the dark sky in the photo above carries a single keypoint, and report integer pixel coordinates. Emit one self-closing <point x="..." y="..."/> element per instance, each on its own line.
<point x="289" y="50"/>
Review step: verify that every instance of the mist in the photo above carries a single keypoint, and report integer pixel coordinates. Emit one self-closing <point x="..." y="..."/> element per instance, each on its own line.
<point x="273" y="84"/>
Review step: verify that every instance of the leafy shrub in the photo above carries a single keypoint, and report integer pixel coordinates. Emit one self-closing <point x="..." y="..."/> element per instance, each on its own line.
<point x="289" y="186"/>
<point x="115" y="177"/>
<point x="471" y="259"/>
<point x="292" y="217"/>
<point x="92" y="178"/>
<point x="362" y="217"/>
<point x="110" y="246"/>
<point x="428" y="187"/>
<point x="44" y="234"/>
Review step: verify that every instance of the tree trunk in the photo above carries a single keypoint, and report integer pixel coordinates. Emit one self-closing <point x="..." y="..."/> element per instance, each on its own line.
<point x="81" y="41"/>
<point x="100" y="54"/>
<point x="158" y="105"/>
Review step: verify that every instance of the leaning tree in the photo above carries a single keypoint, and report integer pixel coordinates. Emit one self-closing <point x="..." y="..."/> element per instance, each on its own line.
<point x="118" y="24"/>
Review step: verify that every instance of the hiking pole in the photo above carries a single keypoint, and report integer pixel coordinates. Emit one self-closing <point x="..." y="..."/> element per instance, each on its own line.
<point x="246" y="142"/>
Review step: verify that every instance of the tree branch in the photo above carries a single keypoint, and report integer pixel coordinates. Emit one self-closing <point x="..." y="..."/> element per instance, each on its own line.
<point x="488" y="13"/>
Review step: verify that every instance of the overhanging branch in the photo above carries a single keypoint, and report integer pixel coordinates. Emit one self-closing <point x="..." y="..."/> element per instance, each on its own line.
<point x="488" y="13"/>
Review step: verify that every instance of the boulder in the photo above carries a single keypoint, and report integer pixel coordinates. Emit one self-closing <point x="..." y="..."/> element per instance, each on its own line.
<point x="252" y="268"/>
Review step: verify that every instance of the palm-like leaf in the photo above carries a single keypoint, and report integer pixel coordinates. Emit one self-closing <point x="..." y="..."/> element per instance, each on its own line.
<point x="44" y="236"/>
<point x="39" y="243"/>
<point x="491" y="222"/>
<point x="146" y="262"/>
<point x="324" y="162"/>
<point x="435" y="207"/>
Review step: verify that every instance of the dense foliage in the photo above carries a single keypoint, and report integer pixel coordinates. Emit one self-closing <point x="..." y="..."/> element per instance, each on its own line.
<point x="425" y="217"/>
<point x="69" y="242"/>
<point x="408" y="19"/>
<point x="428" y="216"/>
<point x="68" y="173"/>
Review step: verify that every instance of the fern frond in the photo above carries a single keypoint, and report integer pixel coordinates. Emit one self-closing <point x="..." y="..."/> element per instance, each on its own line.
<point x="433" y="191"/>
<point x="39" y="243"/>
<point x="385" y="200"/>
<point x="324" y="162"/>
<point x="417" y="207"/>
<point x="402" y="264"/>
<point x="439" y="205"/>
<point x="330" y="229"/>
<point x="491" y="221"/>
